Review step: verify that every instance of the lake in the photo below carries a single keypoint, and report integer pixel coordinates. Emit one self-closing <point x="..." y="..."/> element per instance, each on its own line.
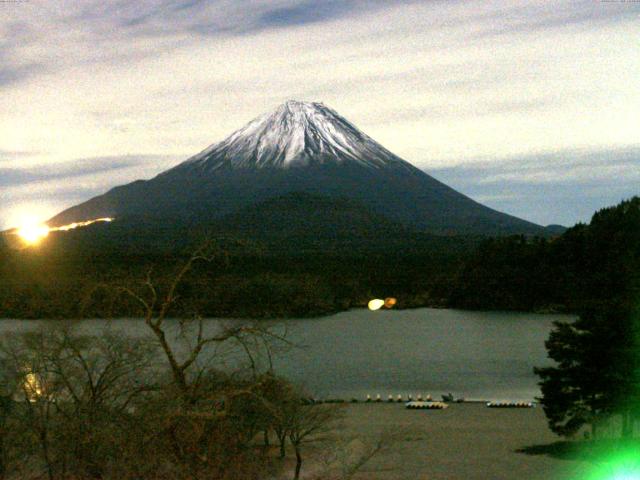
<point x="481" y="355"/>
<point x="477" y="355"/>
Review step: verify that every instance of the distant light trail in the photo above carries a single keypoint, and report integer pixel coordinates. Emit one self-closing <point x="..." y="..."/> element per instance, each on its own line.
<point x="71" y="226"/>
<point x="32" y="234"/>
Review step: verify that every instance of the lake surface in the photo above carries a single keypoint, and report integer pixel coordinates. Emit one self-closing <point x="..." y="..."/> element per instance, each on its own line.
<point x="478" y="355"/>
<point x="481" y="355"/>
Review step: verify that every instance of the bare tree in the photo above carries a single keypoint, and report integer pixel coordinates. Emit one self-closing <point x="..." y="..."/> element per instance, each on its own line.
<point x="157" y="303"/>
<point x="306" y="423"/>
<point x="212" y="409"/>
<point x="344" y="457"/>
<point x="73" y="393"/>
<point x="104" y="407"/>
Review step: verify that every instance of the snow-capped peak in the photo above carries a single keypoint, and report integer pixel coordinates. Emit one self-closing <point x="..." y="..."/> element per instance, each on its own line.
<point x="295" y="134"/>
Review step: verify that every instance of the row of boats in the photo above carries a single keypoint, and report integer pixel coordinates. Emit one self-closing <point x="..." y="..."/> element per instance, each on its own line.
<point x="427" y="402"/>
<point x="448" y="398"/>
<point x="421" y="405"/>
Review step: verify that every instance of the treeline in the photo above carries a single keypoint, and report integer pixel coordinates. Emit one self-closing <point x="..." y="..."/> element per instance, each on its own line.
<point x="567" y="273"/>
<point x="69" y="275"/>
<point x="277" y="272"/>
<point x="595" y="378"/>
<point x="184" y="399"/>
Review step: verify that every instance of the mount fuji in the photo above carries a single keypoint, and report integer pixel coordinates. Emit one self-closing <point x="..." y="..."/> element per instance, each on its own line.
<point x="300" y="148"/>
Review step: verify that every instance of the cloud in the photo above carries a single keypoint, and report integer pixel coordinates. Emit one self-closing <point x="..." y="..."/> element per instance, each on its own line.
<point x="223" y="17"/>
<point x="126" y="30"/>
<point x="583" y="166"/>
<point x="210" y="18"/>
<point x="60" y="185"/>
<point x="544" y="16"/>
<point x="76" y="168"/>
<point x="8" y="155"/>
<point x="16" y="73"/>
<point x="232" y="17"/>
<point x="14" y="36"/>
<point x="551" y="187"/>
<point x="449" y="110"/>
<point x="305" y="12"/>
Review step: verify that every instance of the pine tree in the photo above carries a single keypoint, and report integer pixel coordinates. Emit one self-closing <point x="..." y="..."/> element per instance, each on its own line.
<point x="597" y="372"/>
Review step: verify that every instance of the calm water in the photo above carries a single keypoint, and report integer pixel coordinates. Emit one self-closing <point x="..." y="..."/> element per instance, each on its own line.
<point x="480" y="355"/>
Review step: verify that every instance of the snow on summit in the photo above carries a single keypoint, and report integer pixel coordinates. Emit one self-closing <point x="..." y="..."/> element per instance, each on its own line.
<point x="295" y="134"/>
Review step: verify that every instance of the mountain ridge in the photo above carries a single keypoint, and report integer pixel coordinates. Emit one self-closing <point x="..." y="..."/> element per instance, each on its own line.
<point x="300" y="147"/>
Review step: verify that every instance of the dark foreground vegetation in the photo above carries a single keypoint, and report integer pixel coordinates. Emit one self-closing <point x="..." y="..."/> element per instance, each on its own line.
<point x="593" y="390"/>
<point x="296" y="260"/>
<point x="77" y="406"/>
<point x="585" y="265"/>
<point x="182" y="402"/>
<point x="298" y="256"/>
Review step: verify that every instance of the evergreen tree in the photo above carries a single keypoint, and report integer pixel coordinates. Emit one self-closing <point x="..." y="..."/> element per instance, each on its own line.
<point x="597" y="372"/>
<point x="597" y="375"/>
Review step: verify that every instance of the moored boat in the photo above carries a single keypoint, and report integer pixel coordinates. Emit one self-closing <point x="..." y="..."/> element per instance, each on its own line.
<point x="418" y="405"/>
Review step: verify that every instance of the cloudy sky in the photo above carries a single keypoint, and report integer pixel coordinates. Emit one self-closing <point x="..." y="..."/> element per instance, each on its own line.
<point x="531" y="107"/>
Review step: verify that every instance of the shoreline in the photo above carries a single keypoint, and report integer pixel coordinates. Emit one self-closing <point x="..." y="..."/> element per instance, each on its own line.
<point x="327" y="314"/>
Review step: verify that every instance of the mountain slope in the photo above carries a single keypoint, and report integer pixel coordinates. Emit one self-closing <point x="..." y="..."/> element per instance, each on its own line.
<point x="300" y="147"/>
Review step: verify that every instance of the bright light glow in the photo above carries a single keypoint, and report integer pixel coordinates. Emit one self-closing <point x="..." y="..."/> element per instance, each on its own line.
<point x="32" y="234"/>
<point x="389" y="302"/>
<point x="376" y="304"/>
<point x="621" y="473"/>
<point x="622" y="464"/>
<point x="32" y="387"/>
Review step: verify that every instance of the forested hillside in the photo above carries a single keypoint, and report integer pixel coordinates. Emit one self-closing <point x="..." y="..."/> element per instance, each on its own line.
<point x="586" y="264"/>
<point x="318" y="267"/>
